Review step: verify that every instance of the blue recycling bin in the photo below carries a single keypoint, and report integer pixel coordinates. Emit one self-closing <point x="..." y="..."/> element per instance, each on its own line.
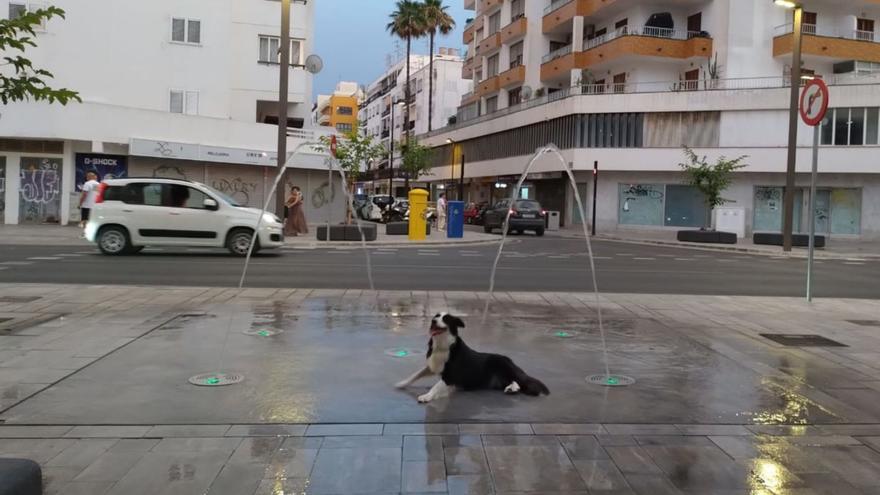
<point x="455" y="219"/>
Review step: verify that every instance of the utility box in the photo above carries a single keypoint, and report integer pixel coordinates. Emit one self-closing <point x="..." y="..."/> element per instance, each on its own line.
<point x="455" y="220"/>
<point x="552" y="220"/>
<point x="418" y="204"/>
<point x="731" y="219"/>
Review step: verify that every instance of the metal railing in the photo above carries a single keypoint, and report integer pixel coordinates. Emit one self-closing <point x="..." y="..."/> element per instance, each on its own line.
<point x="556" y="4"/>
<point x="826" y="31"/>
<point x="649" y="31"/>
<point x="559" y="52"/>
<point x="611" y="89"/>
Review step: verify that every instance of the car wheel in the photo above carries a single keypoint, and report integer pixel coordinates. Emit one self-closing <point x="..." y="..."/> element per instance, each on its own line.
<point x="539" y="232"/>
<point x="238" y="242"/>
<point x="113" y="240"/>
<point x="487" y="228"/>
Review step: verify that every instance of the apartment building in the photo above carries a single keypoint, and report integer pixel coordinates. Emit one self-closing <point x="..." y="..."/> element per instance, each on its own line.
<point x="340" y="109"/>
<point x="622" y="85"/>
<point x="169" y="88"/>
<point x="383" y="110"/>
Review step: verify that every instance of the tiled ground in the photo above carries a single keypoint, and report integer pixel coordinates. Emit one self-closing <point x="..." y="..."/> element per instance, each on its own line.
<point x="95" y="390"/>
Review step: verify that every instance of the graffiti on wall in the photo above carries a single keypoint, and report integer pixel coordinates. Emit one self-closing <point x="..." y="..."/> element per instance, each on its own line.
<point x="323" y="195"/>
<point x="169" y="172"/>
<point x="237" y="189"/>
<point x="40" y="191"/>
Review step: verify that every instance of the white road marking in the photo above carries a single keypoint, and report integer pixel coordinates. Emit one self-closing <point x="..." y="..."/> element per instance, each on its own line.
<point x="70" y="255"/>
<point x="725" y="260"/>
<point x="86" y="252"/>
<point x="429" y="254"/>
<point x="622" y="254"/>
<point x="603" y="257"/>
<point x="684" y="259"/>
<point x="17" y="263"/>
<point x="44" y="258"/>
<point x="856" y="259"/>
<point x="470" y="255"/>
<point x="645" y="259"/>
<point x="852" y="263"/>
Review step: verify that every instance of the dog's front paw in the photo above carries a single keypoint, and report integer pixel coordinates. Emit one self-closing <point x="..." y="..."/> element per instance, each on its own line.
<point x="402" y="384"/>
<point x="424" y="399"/>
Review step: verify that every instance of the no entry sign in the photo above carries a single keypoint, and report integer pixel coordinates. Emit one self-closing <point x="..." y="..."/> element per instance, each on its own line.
<point x="814" y="102"/>
<point x="333" y="145"/>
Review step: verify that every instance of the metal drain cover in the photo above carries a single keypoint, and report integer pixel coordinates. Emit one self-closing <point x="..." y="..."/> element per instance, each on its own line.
<point x="865" y="323"/>
<point x="611" y="380"/>
<point x="263" y="332"/>
<point x="802" y="340"/>
<point x="218" y="379"/>
<point x="399" y="352"/>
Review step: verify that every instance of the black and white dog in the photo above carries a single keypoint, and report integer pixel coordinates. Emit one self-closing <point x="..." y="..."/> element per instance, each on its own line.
<point x="460" y="366"/>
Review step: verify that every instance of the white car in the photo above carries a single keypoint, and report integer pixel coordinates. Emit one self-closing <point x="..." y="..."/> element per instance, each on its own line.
<point x="132" y="213"/>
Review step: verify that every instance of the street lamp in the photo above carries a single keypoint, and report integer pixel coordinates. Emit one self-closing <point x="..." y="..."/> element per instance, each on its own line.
<point x="795" y="80"/>
<point x="461" y="171"/>
<point x="391" y="150"/>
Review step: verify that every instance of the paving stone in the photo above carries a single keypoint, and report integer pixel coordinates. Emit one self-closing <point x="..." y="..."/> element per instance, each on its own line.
<point x="167" y="472"/>
<point x="512" y="440"/>
<point x="166" y="431"/>
<point x="258" y="450"/>
<point x="175" y="445"/>
<point x="633" y="460"/>
<point x="134" y="445"/>
<point x="567" y="429"/>
<point x="421" y="429"/>
<point x="82" y="453"/>
<point x="642" y="429"/>
<point x="465" y="460"/>
<point x="372" y="441"/>
<point x="462" y="441"/>
<point x="291" y="463"/>
<point x="708" y="430"/>
<point x="111" y="466"/>
<point x="617" y="440"/>
<point x="283" y="486"/>
<point x="496" y="429"/>
<point x="424" y="477"/>
<point x="646" y="484"/>
<point x="673" y="440"/>
<point x="583" y="448"/>
<point x="266" y="431"/>
<point x="108" y="432"/>
<point x="356" y="470"/>
<point x="533" y="468"/>
<point x="338" y="430"/>
<point x="601" y="475"/>
<point x="82" y="488"/>
<point x="422" y="448"/>
<point x="10" y="431"/>
<point x="470" y="484"/>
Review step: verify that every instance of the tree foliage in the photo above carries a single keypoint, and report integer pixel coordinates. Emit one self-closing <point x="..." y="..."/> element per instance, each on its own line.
<point x="354" y="152"/>
<point x="711" y="179"/>
<point x="24" y="81"/>
<point x="416" y="159"/>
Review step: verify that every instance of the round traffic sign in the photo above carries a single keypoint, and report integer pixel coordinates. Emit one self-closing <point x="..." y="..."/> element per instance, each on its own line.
<point x="814" y="102"/>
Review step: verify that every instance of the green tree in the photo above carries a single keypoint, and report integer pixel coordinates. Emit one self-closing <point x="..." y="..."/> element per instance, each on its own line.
<point x="416" y="160"/>
<point x="354" y="152"/>
<point x="24" y="81"/>
<point x="407" y="23"/>
<point x="437" y="19"/>
<point x="710" y="179"/>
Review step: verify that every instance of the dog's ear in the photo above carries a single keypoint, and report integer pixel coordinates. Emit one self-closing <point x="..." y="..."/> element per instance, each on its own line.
<point x="454" y="321"/>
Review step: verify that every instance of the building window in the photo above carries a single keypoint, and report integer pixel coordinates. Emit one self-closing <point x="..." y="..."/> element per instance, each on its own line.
<point x="342" y="127"/>
<point x="640" y="204"/>
<point x="344" y="111"/>
<point x="186" y="31"/>
<point x="494" y="23"/>
<point x="514" y="96"/>
<point x="685" y="207"/>
<point x="492" y="66"/>
<point x="516" y="55"/>
<point x="855" y="126"/>
<point x="17" y="10"/>
<point x="491" y="104"/>
<point x="517" y="9"/>
<point x="182" y="101"/>
<point x="270" y="52"/>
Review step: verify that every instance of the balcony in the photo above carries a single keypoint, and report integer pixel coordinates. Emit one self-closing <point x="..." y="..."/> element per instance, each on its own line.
<point x="558" y="53"/>
<point x="627" y="41"/>
<point x="468" y="98"/>
<point x="836" y="44"/>
<point x="489" y="44"/>
<point x="561" y="12"/>
<point x="489" y="6"/>
<point x="514" y="76"/>
<point x="324" y="119"/>
<point x="488" y="86"/>
<point x="470" y="4"/>
<point x="469" y="29"/>
<point x="467" y="69"/>
<point x="514" y="31"/>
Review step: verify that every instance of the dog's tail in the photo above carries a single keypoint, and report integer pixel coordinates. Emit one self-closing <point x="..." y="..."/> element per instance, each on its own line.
<point x="530" y="385"/>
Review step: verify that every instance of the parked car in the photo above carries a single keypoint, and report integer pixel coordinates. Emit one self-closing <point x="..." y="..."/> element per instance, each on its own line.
<point x="525" y="214"/>
<point x="473" y="214"/>
<point x="132" y="213"/>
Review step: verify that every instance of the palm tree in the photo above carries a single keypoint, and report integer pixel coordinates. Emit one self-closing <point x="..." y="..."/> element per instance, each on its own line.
<point x="436" y="19"/>
<point x="407" y="23"/>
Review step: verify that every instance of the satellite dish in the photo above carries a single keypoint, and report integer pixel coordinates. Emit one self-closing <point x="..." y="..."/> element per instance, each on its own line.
<point x="526" y="92"/>
<point x="314" y="64"/>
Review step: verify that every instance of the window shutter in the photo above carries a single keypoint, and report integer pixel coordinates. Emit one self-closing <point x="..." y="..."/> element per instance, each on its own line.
<point x="192" y="102"/>
<point x="194" y="33"/>
<point x="176" y="102"/>
<point x="178" y="28"/>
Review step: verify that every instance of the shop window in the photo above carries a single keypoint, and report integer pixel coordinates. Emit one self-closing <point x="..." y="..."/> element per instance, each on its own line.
<point x="640" y="204"/>
<point x="685" y="207"/>
<point x="845" y="211"/>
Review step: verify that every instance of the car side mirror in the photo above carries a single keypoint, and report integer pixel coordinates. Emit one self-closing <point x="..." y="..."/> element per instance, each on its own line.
<point x="210" y="204"/>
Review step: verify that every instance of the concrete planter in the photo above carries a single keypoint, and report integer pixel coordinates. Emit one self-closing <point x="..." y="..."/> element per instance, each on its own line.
<point x="20" y="477"/>
<point x="402" y="228"/>
<point x="706" y="236"/>
<point x="797" y="240"/>
<point x="347" y="232"/>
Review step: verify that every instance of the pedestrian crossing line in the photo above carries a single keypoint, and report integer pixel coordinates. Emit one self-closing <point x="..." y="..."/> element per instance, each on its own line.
<point x="471" y="255"/>
<point x="560" y="257"/>
<point x="383" y="253"/>
<point x="603" y="257"/>
<point x="684" y="259"/>
<point x="66" y="255"/>
<point x="856" y="259"/>
<point x="429" y="254"/>
<point x="725" y="260"/>
<point x="645" y="259"/>
<point x="17" y="263"/>
<point x="852" y="263"/>
<point x="44" y="258"/>
<point x="622" y="254"/>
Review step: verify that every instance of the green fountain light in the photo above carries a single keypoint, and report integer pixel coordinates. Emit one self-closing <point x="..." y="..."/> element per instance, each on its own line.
<point x="563" y="334"/>
<point x="212" y="381"/>
<point x="401" y="353"/>
<point x="612" y="381"/>
<point x="265" y="333"/>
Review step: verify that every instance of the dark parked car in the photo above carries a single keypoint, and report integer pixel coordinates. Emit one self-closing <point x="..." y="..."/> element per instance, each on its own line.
<point x="525" y="214"/>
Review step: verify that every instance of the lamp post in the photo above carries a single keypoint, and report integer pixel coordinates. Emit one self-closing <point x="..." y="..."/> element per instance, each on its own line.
<point x="391" y="151"/>
<point x="795" y="79"/>
<point x="283" y="87"/>
<point x="460" y="172"/>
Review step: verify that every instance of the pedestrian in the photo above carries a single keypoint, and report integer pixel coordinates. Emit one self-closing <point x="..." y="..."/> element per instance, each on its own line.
<point x="295" y="223"/>
<point x="87" y="197"/>
<point x="441" y="212"/>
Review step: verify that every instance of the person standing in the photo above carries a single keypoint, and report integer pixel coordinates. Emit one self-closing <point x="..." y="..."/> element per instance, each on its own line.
<point x="441" y="212"/>
<point x="87" y="197"/>
<point x="295" y="223"/>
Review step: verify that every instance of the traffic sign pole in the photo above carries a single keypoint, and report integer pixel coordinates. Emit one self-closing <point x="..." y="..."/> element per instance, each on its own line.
<point x="813" y="177"/>
<point x="813" y="106"/>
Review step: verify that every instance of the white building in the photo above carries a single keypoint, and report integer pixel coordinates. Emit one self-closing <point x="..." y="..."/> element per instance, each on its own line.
<point x="169" y="87"/>
<point x="388" y="93"/>
<point x="627" y="83"/>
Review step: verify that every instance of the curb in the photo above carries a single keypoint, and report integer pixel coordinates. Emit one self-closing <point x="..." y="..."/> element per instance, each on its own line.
<point x="380" y="245"/>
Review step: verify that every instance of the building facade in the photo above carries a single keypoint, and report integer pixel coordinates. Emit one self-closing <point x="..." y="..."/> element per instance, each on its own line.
<point x="622" y="85"/>
<point x="339" y="110"/>
<point x="383" y="110"/>
<point x="169" y="88"/>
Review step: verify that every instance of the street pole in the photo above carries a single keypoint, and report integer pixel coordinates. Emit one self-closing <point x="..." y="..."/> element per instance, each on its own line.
<point x="283" y="88"/>
<point x="391" y="154"/>
<point x="595" y="192"/>
<point x="813" y="177"/>
<point x="788" y="202"/>
<point x="461" y="180"/>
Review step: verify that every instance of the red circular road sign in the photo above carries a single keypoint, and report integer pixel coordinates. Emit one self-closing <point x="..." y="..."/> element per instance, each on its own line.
<point x="333" y="145"/>
<point x="814" y="102"/>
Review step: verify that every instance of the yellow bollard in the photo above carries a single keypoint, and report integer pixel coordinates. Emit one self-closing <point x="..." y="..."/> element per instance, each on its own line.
<point x="418" y="204"/>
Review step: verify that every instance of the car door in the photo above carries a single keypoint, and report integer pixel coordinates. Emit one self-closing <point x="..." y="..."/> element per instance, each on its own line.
<point x="144" y="215"/>
<point x="190" y="222"/>
<point x="496" y="217"/>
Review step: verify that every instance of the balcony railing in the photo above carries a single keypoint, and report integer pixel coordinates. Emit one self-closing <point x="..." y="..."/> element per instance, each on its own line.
<point x="555" y="5"/>
<point x="649" y="31"/>
<point x="828" y="32"/>
<point x="516" y="62"/>
<point x="559" y="52"/>
<point x="611" y="89"/>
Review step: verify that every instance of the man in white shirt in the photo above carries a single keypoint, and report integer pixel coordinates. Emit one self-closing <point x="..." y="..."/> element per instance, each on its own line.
<point x="441" y="212"/>
<point x="87" y="198"/>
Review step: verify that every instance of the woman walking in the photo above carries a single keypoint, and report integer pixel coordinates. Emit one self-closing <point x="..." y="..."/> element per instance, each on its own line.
<point x="295" y="223"/>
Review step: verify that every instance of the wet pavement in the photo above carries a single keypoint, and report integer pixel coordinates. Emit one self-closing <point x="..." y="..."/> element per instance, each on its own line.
<point x="93" y="385"/>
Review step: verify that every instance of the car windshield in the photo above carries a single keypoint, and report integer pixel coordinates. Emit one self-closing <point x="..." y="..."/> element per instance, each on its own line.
<point x="527" y="205"/>
<point x="220" y="195"/>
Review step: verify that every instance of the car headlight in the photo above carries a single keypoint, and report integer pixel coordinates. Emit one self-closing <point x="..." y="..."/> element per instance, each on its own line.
<point x="270" y="218"/>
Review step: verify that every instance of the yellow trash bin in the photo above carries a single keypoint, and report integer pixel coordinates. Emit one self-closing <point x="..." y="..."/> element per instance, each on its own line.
<point x="418" y="204"/>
